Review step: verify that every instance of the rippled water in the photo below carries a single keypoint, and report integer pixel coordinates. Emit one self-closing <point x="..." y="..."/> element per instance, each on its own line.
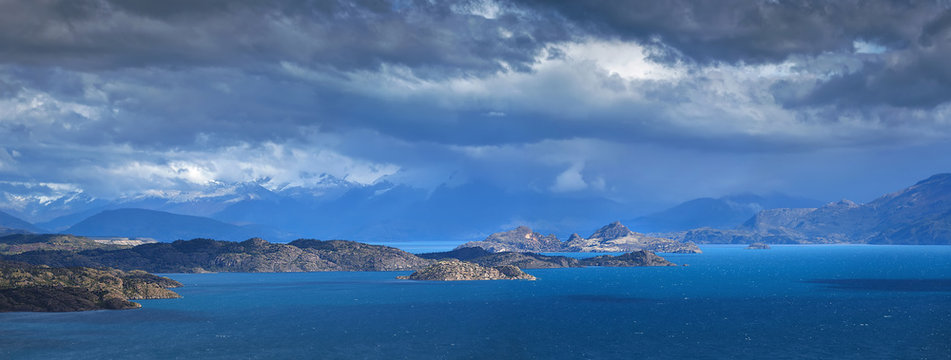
<point x="790" y="302"/>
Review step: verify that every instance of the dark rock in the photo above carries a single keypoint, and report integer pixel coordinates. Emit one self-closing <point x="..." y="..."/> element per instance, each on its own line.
<point x="635" y="258"/>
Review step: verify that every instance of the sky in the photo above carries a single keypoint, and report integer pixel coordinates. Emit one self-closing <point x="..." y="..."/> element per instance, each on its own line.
<point x="646" y="103"/>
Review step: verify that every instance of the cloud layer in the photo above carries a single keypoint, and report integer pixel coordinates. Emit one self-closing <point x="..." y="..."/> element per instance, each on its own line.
<point x="645" y="103"/>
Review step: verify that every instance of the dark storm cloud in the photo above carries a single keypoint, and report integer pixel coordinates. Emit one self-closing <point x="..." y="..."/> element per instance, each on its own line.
<point x="751" y="31"/>
<point x="917" y="75"/>
<point x="436" y="40"/>
<point x="177" y="94"/>
<point x="771" y="31"/>
<point x="101" y="34"/>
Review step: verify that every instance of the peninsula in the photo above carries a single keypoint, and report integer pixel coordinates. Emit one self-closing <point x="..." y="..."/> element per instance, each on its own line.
<point x="25" y="287"/>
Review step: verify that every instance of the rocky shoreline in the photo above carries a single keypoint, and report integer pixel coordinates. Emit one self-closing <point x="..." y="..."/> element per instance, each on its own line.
<point x="25" y="287"/>
<point x="93" y="279"/>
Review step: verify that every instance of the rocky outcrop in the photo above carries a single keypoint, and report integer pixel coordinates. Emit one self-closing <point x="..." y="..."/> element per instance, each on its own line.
<point x="758" y="246"/>
<point x="519" y="239"/>
<point x="634" y="258"/>
<point x="355" y="256"/>
<point x="523" y="260"/>
<point x="25" y="287"/>
<point x="254" y="255"/>
<point x="455" y="270"/>
<point x="614" y="237"/>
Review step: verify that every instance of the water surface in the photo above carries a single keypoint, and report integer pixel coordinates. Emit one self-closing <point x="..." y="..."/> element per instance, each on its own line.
<point x="789" y="302"/>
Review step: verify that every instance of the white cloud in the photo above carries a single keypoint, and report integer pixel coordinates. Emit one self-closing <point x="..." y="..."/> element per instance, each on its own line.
<point x="570" y="180"/>
<point x="280" y="165"/>
<point x="615" y="85"/>
<point x="626" y="59"/>
<point x="868" y="47"/>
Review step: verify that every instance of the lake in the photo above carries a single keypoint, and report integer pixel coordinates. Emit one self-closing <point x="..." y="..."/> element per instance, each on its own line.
<point x="789" y="302"/>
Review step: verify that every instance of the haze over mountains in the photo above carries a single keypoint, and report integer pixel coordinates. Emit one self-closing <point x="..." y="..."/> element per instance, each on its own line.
<point x="379" y="212"/>
<point x="388" y="212"/>
<point x="10" y="224"/>
<point x="720" y="213"/>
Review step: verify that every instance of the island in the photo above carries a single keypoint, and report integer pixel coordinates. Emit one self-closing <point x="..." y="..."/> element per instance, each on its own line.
<point x="108" y="277"/>
<point x="456" y="270"/>
<point x="634" y="258"/>
<point x="758" y="246"/>
<point x="528" y="260"/>
<point x="614" y="237"/>
<point x="25" y="287"/>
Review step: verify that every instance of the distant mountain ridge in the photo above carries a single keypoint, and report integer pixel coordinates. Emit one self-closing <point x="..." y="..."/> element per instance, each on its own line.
<point x="10" y="224"/>
<point x="719" y="213"/>
<point x="917" y="215"/>
<point x="164" y="226"/>
<point x="335" y="208"/>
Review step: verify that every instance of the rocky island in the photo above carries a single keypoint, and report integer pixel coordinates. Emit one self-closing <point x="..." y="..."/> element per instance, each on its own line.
<point x="640" y="257"/>
<point x="26" y="287"/>
<point x="455" y="270"/>
<point x="758" y="246"/>
<point x="258" y="255"/>
<point x="527" y="260"/>
<point x="614" y="237"/>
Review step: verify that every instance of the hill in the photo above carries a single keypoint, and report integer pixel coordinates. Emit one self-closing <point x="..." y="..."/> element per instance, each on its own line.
<point x="253" y="255"/>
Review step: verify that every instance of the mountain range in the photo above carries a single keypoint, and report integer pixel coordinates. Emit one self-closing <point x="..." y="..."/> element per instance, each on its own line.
<point x="719" y="213"/>
<point x="164" y="226"/>
<point x="379" y="212"/>
<point x="918" y="215"/>
<point x="388" y="212"/>
<point x="10" y="224"/>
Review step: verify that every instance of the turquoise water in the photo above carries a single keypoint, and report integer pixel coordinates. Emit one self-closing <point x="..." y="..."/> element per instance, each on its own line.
<point x="880" y="302"/>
